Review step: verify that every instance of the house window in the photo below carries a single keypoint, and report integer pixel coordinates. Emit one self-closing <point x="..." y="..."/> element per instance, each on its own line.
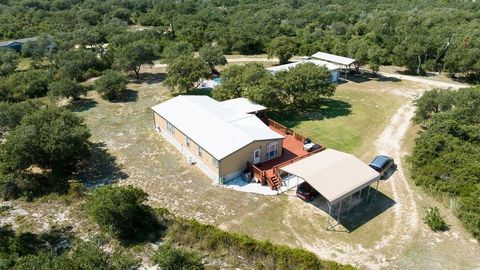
<point x="200" y="151"/>
<point x="187" y="141"/>
<point x="216" y="163"/>
<point x="272" y="150"/>
<point x="170" y="128"/>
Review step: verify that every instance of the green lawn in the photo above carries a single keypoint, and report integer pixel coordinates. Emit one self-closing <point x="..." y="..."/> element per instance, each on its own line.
<point x="349" y="121"/>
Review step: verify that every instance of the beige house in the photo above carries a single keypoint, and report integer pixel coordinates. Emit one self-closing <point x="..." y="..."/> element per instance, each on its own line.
<point x="218" y="137"/>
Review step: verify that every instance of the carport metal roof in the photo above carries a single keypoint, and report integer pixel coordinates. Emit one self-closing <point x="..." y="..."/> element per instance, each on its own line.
<point x="334" y="174"/>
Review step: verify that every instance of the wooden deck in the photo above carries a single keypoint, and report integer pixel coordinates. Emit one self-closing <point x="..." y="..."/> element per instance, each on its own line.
<point x="268" y="172"/>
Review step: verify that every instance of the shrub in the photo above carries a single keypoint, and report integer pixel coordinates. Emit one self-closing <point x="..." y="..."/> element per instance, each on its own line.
<point x="120" y="212"/>
<point x="111" y="85"/>
<point x="170" y="258"/>
<point x="76" y="189"/>
<point x="262" y="254"/>
<point x="434" y="220"/>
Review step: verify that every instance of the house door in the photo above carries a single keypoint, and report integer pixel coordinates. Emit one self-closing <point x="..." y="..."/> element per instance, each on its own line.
<point x="256" y="156"/>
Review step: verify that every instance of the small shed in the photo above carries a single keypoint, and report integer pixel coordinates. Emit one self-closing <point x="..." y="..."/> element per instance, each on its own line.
<point x="336" y="175"/>
<point x="346" y="64"/>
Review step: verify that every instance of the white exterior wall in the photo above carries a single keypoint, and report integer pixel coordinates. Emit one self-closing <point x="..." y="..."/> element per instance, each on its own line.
<point x="335" y="75"/>
<point x="190" y="156"/>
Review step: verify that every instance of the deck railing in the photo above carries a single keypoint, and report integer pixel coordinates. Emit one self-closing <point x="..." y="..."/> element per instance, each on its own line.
<point x="256" y="172"/>
<point x="295" y="159"/>
<point x="261" y="175"/>
<point x="285" y="130"/>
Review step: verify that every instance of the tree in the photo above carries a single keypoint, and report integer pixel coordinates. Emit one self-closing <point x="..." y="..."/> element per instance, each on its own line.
<point x="111" y="85"/>
<point x="305" y="85"/>
<point x="26" y="84"/>
<point x="282" y="47"/>
<point x="52" y="139"/>
<point x="133" y="55"/>
<point x="11" y="114"/>
<point x="42" y="49"/>
<point x="184" y="73"/>
<point x="213" y="56"/>
<point x="170" y="258"/>
<point x="8" y="62"/>
<point x="177" y="49"/>
<point x="433" y="101"/>
<point x="66" y="88"/>
<point x="121" y="212"/>
<point x="237" y="78"/>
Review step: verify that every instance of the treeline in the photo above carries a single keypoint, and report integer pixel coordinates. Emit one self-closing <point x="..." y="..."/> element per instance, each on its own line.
<point x="125" y="221"/>
<point x="446" y="156"/>
<point x="406" y="33"/>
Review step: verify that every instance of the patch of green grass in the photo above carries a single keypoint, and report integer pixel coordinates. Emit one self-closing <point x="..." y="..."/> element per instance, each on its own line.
<point x="349" y="121"/>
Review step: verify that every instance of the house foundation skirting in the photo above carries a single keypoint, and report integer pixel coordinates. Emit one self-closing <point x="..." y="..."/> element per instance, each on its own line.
<point x="190" y="157"/>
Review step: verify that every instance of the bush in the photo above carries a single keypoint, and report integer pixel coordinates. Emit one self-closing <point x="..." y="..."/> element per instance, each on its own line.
<point x="111" y="85"/>
<point x="76" y="189"/>
<point x="120" y="212"/>
<point x="434" y="220"/>
<point x="170" y="258"/>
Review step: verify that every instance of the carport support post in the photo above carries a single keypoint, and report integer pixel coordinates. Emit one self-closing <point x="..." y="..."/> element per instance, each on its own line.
<point x="339" y="211"/>
<point x="328" y="218"/>
<point x="349" y="202"/>
<point x="368" y="192"/>
<point x="376" y="190"/>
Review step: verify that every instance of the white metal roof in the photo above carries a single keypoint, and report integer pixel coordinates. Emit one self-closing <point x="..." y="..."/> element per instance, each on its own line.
<point x="337" y="59"/>
<point x="218" y="129"/>
<point x="334" y="174"/>
<point x="21" y="41"/>
<point x="286" y="67"/>
<point x="242" y="105"/>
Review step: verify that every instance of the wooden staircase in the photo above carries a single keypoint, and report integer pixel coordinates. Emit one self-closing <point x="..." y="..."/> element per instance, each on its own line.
<point x="274" y="180"/>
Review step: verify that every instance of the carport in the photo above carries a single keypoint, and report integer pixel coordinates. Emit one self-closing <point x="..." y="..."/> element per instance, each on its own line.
<point x="337" y="176"/>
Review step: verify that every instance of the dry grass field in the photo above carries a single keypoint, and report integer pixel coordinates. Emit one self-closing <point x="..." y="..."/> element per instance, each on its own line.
<point x="387" y="234"/>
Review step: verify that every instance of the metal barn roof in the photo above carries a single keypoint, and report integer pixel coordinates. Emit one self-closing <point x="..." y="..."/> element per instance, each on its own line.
<point x="334" y="174"/>
<point x="332" y="58"/>
<point x="215" y="126"/>
<point x="286" y="67"/>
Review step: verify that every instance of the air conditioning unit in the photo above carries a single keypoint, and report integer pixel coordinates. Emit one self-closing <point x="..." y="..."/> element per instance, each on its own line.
<point x="191" y="161"/>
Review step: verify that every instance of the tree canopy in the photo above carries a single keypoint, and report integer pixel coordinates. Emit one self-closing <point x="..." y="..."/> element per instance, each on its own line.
<point x="297" y="89"/>
<point x="283" y="47"/>
<point x="51" y="138"/>
<point x="184" y="73"/>
<point x="111" y="85"/>
<point x="121" y="212"/>
<point x="213" y="56"/>
<point x="133" y="55"/>
<point x="66" y="88"/>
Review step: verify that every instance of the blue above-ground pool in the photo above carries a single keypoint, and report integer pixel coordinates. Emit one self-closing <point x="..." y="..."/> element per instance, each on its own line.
<point x="217" y="80"/>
